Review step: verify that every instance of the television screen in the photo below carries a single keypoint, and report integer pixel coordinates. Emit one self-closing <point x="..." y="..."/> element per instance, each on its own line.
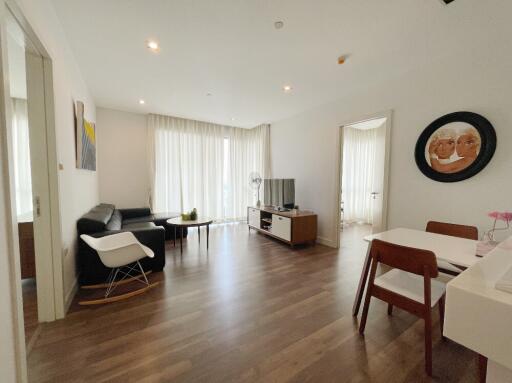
<point x="279" y="192"/>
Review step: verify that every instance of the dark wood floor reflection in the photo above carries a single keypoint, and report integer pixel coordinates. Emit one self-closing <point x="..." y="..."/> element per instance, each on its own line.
<point x="249" y="310"/>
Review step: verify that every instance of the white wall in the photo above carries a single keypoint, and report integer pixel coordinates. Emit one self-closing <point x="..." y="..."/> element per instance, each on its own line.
<point x="304" y="147"/>
<point x="123" y="166"/>
<point x="78" y="189"/>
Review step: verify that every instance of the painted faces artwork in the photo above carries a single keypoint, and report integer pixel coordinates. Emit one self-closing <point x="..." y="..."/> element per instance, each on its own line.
<point x="453" y="147"/>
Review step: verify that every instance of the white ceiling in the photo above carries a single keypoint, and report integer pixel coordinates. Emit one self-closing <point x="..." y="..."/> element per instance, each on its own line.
<point x="229" y="48"/>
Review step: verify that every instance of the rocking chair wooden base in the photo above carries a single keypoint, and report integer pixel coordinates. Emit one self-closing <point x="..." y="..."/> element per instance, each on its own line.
<point x="123" y="282"/>
<point x="116" y="298"/>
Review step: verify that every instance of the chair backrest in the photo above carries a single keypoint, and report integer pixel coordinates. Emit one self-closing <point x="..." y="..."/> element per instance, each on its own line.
<point x="118" y="249"/>
<point x="405" y="258"/>
<point x="451" y="229"/>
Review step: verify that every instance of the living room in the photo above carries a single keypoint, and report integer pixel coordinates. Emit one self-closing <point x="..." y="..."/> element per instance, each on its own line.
<point x="249" y="165"/>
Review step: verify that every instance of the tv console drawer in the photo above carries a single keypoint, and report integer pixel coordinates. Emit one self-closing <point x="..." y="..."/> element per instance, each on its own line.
<point x="281" y="227"/>
<point x="254" y="217"/>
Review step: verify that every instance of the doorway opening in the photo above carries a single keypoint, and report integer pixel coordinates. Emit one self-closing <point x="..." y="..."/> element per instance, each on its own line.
<point x="18" y="47"/>
<point x="363" y="175"/>
<point x="32" y="192"/>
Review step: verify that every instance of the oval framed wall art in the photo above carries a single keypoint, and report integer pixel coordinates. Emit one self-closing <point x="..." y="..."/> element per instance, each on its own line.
<point x="455" y="147"/>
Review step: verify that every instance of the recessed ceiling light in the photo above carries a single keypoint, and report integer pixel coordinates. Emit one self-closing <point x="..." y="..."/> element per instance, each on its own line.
<point x="153" y="45"/>
<point x="233" y="118"/>
<point x="287" y="88"/>
<point x="142" y="102"/>
<point x="278" y="24"/>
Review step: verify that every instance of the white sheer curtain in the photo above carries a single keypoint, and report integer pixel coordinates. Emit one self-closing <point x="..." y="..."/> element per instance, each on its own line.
<point x="359" y="148"/>
<point x="204" y="165"/>
<point x="249" y="151"/>
<point x="21" y="148"/>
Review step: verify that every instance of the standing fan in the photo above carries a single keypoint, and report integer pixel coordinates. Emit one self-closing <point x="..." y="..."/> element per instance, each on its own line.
<point x="255" y="181"/>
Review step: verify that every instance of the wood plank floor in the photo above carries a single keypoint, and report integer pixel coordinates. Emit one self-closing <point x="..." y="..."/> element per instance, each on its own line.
<point x="249" y="310"/>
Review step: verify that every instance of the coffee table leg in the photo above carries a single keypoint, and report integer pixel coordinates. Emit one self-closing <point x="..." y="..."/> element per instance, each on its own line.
<point x="362" y="281"/>
<point x="174" y="236"/>
<point x="199" y="233"/>
<point x="207" y="236"/>
<point x="181" y="239"/>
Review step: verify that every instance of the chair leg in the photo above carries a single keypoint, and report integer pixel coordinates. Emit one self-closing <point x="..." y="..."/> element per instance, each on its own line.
<point x="369" y="290"/>
<point x="143" y="273"/>
<point x="428" y="343"/>
<point x="111" y="281"/>
<point x="390" y="309"/>
<point x="366" y="307"/>
<point x="482" y="368"/>
<point x="441" y="316"/>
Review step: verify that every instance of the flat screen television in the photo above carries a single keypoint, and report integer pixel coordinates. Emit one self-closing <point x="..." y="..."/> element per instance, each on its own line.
<point x="279" y="192"/>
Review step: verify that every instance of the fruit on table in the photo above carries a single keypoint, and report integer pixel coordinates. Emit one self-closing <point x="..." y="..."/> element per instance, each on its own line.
<point x="191" y="216"/>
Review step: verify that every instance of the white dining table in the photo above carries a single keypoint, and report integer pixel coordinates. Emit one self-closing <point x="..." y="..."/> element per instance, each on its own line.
<point x="459" y="252"/>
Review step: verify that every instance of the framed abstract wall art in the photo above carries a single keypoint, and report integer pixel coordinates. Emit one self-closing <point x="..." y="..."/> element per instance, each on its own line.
<point x="455" y="147"/>
<point x="85" y="135"/>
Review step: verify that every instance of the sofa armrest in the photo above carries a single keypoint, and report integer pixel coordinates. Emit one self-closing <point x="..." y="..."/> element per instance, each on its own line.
<point x="135" y="212"/>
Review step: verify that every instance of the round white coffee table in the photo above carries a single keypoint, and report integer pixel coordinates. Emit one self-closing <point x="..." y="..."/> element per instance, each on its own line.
<point x="180" y="223"/>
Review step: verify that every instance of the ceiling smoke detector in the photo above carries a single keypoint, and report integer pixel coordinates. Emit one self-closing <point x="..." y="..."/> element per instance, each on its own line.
<point x="278" y="25"/>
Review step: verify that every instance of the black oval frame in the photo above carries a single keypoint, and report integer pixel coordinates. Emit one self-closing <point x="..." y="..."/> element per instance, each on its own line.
<point x="487" y="148"/>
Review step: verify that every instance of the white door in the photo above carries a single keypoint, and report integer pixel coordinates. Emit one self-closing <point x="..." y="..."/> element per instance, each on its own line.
<point x="379" y="194"/>
<point x="40" y="186"/>
<point x="27" y="73"/>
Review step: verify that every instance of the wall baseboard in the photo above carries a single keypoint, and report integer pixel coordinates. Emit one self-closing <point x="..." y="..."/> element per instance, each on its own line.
<point x="326" y="242"/>
<point x="70" y="295"/>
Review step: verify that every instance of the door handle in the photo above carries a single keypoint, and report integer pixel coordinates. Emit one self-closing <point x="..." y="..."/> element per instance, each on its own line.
<point x="37" y="203"/>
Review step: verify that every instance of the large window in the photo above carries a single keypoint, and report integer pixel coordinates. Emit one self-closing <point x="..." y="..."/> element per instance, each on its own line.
<point x="205" y="166"/>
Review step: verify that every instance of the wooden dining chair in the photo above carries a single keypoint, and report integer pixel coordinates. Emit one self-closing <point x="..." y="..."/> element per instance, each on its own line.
<point x="453" y="230"/>
<point x="409" y="286"/>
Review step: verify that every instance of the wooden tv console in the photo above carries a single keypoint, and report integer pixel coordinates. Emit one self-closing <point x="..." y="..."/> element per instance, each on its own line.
<point x="287" y="226"/>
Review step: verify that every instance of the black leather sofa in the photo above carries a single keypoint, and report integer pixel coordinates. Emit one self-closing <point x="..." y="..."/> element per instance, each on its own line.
<point x="150" y="229"/>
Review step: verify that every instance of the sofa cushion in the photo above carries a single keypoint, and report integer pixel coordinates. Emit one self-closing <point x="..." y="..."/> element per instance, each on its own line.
<point x="95" y="220"/>
<point x="147" y="218"/>
<point x="116" y="221"/>
<point x="105" y="206"/>
<point x="140" y="225"/>
<point x="135" y="212"/>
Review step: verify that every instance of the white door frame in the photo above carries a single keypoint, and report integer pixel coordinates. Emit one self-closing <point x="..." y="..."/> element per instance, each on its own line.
<point x="50" y="287"/>
<point x="388" y="115"/>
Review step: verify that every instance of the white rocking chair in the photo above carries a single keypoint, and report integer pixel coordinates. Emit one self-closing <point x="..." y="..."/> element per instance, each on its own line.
<point x="121" y="252"/>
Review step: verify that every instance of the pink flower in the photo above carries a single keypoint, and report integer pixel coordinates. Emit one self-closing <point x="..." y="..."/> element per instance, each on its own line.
<point x="505" y="216"/>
